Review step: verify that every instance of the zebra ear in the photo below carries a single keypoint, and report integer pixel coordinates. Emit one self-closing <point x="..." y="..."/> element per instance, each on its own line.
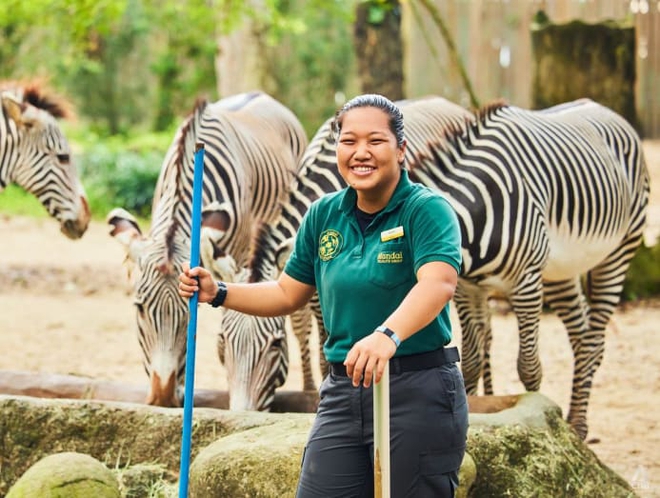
<point x="126" y="230"/>
<point x="13" y="108"/>
<point x="283" y="252"/>
<point x="215" y="223"/>
<point x="24" y="115"/>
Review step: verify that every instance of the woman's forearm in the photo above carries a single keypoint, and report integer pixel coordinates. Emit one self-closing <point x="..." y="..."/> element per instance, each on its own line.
<point x="423" y="303"/>
<point x="273" y="298"/>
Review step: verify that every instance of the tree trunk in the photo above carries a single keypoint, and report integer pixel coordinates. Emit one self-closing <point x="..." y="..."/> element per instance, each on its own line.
<point x="576" y="60"/>
<point x="379" y="49"/>
<point x="239" y="64"/>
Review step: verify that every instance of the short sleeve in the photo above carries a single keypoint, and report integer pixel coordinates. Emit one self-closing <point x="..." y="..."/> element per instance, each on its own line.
<point x="436" y="234"/>
<point x="300" y="264"/>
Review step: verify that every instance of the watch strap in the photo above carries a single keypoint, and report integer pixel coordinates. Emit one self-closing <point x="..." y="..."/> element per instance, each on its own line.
<point x="389" y="333"/>
<point x="220" y="296"/>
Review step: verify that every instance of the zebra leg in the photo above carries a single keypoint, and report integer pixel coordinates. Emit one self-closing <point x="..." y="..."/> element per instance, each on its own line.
<point x="474" y="316"/>
<point x="301" y="325"/>
<point x="605" y="283"/>
<point x="487" y="373"/>
<point x="568" y="301"/>
<point x="527" y="303"/>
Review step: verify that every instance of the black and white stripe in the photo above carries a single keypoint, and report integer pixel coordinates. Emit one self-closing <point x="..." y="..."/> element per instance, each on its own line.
<point x="544" y="198"/>
<point x="35" y="155"/>
<point x="252" y="147"/>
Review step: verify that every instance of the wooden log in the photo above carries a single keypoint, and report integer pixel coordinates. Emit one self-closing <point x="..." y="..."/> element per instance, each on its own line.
<point x="49" y="385"/>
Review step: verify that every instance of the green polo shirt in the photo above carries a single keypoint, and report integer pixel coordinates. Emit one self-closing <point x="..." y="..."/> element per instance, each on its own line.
<point x="362" y="279"/>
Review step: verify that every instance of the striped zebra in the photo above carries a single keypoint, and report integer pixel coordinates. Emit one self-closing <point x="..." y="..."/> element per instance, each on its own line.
<point x="35" y="155"/>
<point x="252" y="147"/>
<point x="543" y="198"/>
<point x="548" y="197"/>
<point x="427" y="120"/>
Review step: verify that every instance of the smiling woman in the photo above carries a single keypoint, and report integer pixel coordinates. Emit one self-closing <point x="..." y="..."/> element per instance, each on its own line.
<point x="405" y="280"/>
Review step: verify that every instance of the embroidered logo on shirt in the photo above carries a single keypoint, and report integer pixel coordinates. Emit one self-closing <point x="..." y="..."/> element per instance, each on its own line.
<point x="391" y="234"/>
<point x="390" y="257"/>
<point x="330" y="243"/>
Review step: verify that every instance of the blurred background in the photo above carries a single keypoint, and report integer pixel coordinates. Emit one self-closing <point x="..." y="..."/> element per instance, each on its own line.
<point x="133" y="69"/>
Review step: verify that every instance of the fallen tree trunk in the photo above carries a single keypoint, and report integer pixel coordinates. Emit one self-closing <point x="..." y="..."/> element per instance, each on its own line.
<point x="48" y="385"/>
<point x="59" y="386"/>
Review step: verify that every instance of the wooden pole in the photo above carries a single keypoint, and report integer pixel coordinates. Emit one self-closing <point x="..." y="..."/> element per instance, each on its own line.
<point x="382" y="436"/>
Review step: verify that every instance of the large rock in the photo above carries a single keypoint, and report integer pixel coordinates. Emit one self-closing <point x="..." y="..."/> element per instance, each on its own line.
<point x="66" y="475"/>
<point x="524" y="449"/>
<point x="118" y="434"/>
<point x="259" y="462"/>
<point x="265" y="462"/>
<point x="530" y="450"/>
<point x="517" y="446"/>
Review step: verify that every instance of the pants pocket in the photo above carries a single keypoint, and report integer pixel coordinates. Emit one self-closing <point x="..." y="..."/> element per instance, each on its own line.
<point x="439" y="474"/>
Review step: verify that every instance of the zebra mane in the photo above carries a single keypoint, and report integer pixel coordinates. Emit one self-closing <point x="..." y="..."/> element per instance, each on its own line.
<point x="259" y="252"/>
<point x="39" y="95"/>
<point x="183" y="149"/>
<point x="486" y="111"/>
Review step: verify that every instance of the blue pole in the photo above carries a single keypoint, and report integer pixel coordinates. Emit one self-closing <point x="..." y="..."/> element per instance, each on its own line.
<point x="192" y="323"/>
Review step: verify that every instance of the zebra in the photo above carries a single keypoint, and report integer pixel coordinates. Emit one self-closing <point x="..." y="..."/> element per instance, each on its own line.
<point x="531" y="189"/>
<point x="426" y="119"/>
<point x="253" y="144"/>
<point x="563" y="195"/>
<point x="35" y="155"/>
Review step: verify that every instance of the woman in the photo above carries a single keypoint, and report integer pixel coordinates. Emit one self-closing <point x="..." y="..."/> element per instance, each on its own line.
<point x="384" y="256"/>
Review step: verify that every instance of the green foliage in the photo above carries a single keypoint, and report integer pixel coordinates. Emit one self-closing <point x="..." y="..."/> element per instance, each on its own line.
<point x="312" y="67"/>
<point x="122" y="173"/>
<point x="132" y="65"/>
<point x="16" y="201"/>
<point x="377" y="10"/>
<point x="643" y="278"/>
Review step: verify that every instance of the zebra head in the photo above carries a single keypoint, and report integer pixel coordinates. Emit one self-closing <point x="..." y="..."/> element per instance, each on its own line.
<point x="37" y="157"/>
<point x="254" y="350"/>
<point x="162" y="315"/>
<point x="255" y="354"/>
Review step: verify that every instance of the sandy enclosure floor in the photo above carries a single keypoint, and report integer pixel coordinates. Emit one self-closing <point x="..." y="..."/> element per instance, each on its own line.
<point x="65" y="307"/>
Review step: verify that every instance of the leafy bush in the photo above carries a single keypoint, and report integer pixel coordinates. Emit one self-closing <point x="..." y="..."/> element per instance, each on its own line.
<point x="643" y="278"/>
<point x="119" y="172"/>
<point x="119" y="179"/>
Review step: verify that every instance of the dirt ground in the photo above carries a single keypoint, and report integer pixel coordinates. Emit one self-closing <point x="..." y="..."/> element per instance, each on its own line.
<point x="65" y="308"/>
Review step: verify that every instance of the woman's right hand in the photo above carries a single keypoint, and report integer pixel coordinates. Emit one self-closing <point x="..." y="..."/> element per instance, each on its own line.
<point x="196" y="279"/>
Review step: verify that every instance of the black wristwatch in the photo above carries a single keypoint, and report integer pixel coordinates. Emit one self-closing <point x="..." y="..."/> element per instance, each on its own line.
<point x="220" y="296"/>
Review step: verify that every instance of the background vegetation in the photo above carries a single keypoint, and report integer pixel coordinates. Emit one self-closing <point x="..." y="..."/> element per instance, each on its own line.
<point x="132" y="82"/>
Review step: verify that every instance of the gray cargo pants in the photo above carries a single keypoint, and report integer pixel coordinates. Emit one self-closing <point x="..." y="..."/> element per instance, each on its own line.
<point x="428" y="431"/>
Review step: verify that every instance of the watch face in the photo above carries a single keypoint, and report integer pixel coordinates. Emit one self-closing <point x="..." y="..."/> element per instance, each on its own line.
<point x="389" y="333"/>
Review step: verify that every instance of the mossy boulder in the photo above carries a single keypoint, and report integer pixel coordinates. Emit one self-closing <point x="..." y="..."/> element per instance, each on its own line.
<point x="517" y="446"/>
<point x="524" y="450"/>
<point x="529" y="450"/>
<point x="66" y="475"/>
<point x="265" y="462"/>
<point x="259" y="462"/>
<point x="117" y="434"/>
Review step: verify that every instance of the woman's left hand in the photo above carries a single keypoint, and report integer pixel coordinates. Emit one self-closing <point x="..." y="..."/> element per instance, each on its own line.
<point x="368" y="355"/>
